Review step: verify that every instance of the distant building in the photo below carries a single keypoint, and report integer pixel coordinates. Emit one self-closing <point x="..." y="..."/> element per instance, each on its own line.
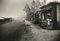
<point x="5" y="20"/>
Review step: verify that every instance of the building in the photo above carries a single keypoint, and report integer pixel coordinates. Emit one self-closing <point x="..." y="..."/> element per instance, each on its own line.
<point x="50" y="14"/>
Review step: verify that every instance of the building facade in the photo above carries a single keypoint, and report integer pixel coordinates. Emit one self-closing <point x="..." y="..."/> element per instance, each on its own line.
<point x="50" y="14"/>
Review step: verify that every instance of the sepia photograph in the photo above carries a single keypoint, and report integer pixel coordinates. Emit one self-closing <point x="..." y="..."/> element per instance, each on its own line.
<point x="29" y="20"/>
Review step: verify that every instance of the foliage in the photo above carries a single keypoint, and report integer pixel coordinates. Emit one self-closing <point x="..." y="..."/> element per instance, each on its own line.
<point x="27" y="8"/>
<point x="33" y="8"/>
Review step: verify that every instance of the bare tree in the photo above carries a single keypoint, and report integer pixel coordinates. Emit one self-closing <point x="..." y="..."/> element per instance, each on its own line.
<point x="27" y="8"/>
<point x="37" y="5"/>
<point x="28" y="11"/>
<point x="33" y="6"/>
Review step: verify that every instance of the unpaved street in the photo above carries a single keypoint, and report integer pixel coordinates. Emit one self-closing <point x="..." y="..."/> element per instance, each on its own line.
<point x="11" y="31"/>
<point x="38" y="34"/>
<point x="26" y="31"/>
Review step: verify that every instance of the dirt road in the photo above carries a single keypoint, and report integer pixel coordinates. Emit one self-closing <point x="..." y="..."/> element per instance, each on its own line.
<point x="26" y="31"/>
<point x="38" y="34"/>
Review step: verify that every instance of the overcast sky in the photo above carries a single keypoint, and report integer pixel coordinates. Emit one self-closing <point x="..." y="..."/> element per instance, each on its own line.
<point x="13" y="8"/>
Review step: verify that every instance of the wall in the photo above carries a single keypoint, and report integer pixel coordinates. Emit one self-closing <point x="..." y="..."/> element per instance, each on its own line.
<point x="58" y="13"/>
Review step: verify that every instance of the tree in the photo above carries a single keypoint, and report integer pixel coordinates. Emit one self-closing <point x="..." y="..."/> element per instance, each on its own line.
<point x="33" y="6"/>
<point x="27" y="8"/>
<point x="32" y="9"/>
<point x="28" y="11"/>
<point x="37" y="5"/>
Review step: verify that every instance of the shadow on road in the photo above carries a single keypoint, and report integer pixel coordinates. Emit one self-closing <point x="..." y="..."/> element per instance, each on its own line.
<point x="57" y="38"/>
<point x="15" y="35"/>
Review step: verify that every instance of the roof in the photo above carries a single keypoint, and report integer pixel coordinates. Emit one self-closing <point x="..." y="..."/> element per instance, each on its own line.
<point x="44" y="9"/>
<point x="49" y="4"/>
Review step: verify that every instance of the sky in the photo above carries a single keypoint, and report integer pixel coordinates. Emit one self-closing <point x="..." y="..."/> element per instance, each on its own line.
<point x="14" y="8"/>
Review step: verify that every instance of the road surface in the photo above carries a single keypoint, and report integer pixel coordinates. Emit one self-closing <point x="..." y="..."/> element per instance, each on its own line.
<point x="26" y="31"/>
